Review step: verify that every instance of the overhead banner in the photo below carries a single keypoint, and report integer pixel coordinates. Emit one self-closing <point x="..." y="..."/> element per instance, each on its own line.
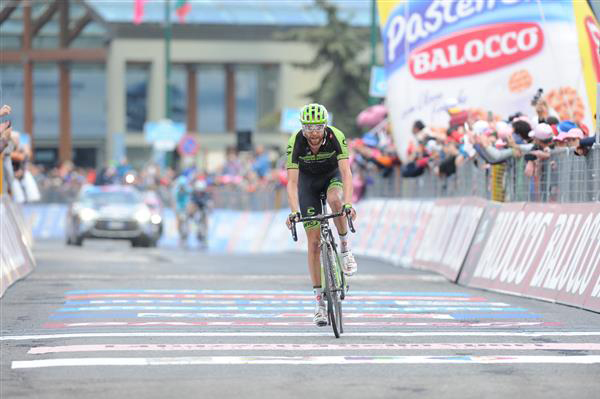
<point x="487" y="55"/>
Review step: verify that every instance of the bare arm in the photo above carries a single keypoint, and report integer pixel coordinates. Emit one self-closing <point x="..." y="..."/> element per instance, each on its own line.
<point x="292" y="189"/>
<point x="344" y="165"/>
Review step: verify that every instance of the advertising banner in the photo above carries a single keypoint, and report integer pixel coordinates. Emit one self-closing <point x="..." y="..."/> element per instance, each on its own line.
<point x="16" y="259"/>
<point x="448" y="236"/>
<point x="486" y="55"/>
<point x="545" y="251"/>
<point x="480" y="238"/>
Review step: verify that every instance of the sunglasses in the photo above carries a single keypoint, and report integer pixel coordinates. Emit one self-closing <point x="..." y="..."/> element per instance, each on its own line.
<point x="313" y="128"/>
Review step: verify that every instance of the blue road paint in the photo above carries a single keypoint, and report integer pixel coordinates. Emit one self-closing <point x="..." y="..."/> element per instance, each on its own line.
<point x="288" y="308"/>
<point x="476" y="316"/>
<point x="262" y="292"/>
<point x="116" y="316"/>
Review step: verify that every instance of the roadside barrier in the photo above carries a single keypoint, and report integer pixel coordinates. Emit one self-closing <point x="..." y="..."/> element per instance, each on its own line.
<point x="544" y="251"/>
<point x="16" y="258"/>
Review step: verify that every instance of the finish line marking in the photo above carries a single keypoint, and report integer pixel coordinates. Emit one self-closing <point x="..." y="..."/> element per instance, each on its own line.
<point x="36" y="337"/>
<point x="301" y="360"/>
<point x="205" y="277"/>
<point x="40" y="350"/>
<point x="497" y="324"/>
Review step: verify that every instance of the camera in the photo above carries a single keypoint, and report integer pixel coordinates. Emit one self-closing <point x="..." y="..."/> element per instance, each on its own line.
<point x="537" y="97"/>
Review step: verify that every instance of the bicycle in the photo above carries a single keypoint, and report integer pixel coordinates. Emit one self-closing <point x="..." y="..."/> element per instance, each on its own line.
<point x="335" y="286"/>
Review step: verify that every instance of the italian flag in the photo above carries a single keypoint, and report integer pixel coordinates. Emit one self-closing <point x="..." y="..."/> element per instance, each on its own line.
<point x="182" y="8"/>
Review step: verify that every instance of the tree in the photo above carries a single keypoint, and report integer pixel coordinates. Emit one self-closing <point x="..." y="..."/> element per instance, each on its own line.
<point x="344" y="89"/>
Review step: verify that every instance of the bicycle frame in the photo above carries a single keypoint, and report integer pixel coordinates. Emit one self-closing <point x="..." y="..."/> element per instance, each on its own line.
<point x="332" y="277"/>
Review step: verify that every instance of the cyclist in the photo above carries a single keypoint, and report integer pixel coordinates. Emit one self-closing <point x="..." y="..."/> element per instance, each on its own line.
<point x="182" y="198"/>
<point x="317" y="161"/>
<point x="201" y="201"/>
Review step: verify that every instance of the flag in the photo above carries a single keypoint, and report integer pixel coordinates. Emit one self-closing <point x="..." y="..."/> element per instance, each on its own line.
<point x="182" y="8"/>
<point x="138" y="11"/>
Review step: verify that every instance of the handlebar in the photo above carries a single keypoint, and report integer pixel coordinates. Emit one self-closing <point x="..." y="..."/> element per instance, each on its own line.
<point x="321" y="218"/>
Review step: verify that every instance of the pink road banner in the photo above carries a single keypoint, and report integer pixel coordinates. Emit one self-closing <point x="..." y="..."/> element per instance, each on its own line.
<point x="480" y="238"/>
<point x="546" y="251"/>
<point x="448" y="235"/>
<point x="486" y="55"/>
<point x="367" y="225"/>
<point x="16" y="259"/>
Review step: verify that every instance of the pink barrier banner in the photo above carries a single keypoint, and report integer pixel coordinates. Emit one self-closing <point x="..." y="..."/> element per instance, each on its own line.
<point x="367" y="225"/>
<point x="546" y="251"/>
<point x="398" y="223"/>
<point x="16" y="259"/>
<point x="479" y="240"/>
<point x="448" y="235"/>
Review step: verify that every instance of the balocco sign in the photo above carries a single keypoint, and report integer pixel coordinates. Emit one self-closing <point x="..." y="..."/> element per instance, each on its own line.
<point x="477" y="50"/>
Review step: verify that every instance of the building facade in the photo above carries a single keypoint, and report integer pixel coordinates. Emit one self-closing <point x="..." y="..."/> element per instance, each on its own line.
<point x="83" y="79"/>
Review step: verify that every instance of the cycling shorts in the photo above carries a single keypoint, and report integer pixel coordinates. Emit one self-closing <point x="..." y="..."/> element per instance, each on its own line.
<point x="310" y="188"/>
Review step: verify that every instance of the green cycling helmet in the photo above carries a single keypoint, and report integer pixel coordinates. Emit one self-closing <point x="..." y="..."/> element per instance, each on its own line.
<point x="313" y="114"/>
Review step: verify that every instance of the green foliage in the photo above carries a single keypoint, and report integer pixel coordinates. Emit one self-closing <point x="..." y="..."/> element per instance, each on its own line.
<point x="344" y="89"/>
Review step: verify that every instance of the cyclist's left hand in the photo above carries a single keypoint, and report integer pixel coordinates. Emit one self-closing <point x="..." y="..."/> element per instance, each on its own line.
<point x="349" y="209"/>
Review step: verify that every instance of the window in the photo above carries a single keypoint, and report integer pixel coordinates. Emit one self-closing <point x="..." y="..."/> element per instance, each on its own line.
<point x="246" y="95"/>
<point x="137" y="79"/>
<point x="46" y="101"/>
<point x="210" y="90"/>
<point x="178" y="90"/>
<point x="256" y="97"/>
<point x="268" y="82"/>
<point x="88" y="101"/>
<point x="11" y="93"/>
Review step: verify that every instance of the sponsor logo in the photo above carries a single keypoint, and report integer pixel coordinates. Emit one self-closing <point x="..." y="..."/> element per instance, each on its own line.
<point x="594" y="35"/>
<point x="476" y="51"/>
<point x="511" y="249"/>
<point x="405" y="30"/>
<point x="572" y="256"/>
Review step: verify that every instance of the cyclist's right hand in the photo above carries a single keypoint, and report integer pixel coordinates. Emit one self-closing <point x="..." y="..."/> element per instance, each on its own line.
<point x="293" y="217"/>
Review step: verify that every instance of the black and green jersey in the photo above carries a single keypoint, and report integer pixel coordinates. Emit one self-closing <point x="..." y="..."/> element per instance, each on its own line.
<point x="334" y="148"/>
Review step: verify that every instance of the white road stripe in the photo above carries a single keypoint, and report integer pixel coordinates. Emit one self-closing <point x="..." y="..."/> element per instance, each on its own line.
<point x="301" y="360"/>
<point x="201" y="277"/>
<point x="574" y="346"/>
<point x="305" y="334"/>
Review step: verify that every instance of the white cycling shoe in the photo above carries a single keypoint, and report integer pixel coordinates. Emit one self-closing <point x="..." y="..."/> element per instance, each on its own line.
<point x="320" y="318"/>
<point x="349" y="265"/>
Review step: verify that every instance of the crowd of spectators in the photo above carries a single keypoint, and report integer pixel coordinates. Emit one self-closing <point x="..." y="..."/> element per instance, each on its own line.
<point x="16" y="178"/>
<point x="471" y="135"/>
<point x="492" y="139"/>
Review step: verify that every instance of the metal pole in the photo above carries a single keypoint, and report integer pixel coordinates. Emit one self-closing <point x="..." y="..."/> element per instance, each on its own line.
<point x="373" y="100"/>
<point x="168" y="35"/>
<point x="598" y="113"/>
<point x="168" y="160"/>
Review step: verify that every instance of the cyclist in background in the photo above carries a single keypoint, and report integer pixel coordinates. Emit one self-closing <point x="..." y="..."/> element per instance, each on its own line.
<point x="201" y="200"/>
<point x="182" y="200"/>
<point x="317" y="161"/>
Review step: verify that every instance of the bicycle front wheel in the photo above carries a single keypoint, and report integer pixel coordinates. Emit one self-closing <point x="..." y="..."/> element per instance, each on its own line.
<point x="332" y="292"/>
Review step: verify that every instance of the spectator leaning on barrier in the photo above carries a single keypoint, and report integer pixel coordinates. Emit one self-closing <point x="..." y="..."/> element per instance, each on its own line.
<point x="542" y="139"/>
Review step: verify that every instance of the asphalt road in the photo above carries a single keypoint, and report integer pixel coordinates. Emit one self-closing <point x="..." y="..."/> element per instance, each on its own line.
<point x="110" y="321"/>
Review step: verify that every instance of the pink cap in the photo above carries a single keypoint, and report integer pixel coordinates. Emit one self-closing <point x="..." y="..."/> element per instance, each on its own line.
<point x="560" y="137"/>
<point x="543" y="131"/>
<point x="575" y="133"/>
